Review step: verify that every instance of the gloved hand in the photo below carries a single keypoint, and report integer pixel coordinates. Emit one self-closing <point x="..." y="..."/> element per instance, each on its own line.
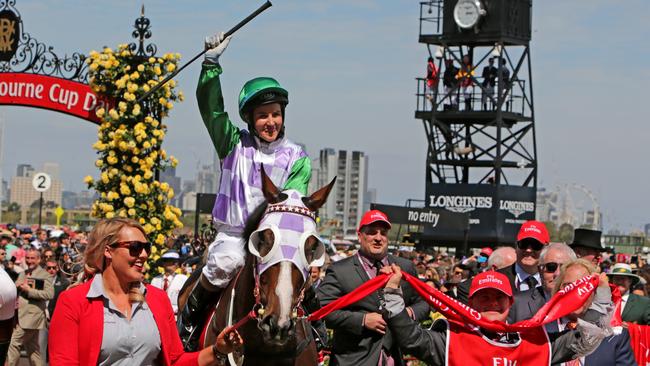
<point x="215" y="45"/>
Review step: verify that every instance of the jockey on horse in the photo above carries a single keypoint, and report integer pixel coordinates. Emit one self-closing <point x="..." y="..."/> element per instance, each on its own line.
<point x="262" y="103"/>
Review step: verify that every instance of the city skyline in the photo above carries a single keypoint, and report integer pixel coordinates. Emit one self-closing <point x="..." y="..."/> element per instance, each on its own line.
<point x="351" y="88"/>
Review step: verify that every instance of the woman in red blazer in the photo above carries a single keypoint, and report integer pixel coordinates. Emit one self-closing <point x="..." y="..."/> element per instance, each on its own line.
<point x="108" y="318"/>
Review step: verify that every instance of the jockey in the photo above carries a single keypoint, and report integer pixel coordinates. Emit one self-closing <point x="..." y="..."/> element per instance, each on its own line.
<point x="262" y="103"/>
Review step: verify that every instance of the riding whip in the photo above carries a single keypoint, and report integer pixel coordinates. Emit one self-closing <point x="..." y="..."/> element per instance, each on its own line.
<point x="250" y="17"/>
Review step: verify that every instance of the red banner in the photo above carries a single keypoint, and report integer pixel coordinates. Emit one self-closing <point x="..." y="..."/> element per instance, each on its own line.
<point x="51" y="93"/>
<point x="562" y="303"/>
<point x="640" y="340"/>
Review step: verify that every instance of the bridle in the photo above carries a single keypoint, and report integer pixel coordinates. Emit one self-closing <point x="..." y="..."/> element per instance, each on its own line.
<point x="258" y="311"/>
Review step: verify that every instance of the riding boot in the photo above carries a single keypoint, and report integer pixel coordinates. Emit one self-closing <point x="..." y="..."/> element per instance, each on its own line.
<point x="191" y="317"/>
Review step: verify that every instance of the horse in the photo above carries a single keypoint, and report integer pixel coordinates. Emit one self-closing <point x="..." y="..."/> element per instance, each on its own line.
<point x="263" y="300"/>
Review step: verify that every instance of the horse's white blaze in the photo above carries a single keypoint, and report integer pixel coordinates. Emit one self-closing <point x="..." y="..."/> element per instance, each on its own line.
<point x="284" y="291"/>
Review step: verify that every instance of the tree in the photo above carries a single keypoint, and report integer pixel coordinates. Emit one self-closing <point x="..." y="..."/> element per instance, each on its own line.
<point x="566" y="233"/>
<point x="130" y="141"/>
<point x="13" y="207"/>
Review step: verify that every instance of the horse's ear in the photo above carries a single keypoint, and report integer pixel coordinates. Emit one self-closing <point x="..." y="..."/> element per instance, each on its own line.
<point x="318" y="198"/>
<point x="270" y="191"/>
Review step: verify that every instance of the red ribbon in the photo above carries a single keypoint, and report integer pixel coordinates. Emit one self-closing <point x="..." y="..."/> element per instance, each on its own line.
<point x="565" y="301"/>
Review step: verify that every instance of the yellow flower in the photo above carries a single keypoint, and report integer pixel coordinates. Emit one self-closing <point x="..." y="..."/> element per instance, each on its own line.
<point x="170" y="105"/>
<point x="124" y="189"/>
<point x="136" y="110"/>
<point x="129" y="201"/>
<point x="131" y="212"/>
<point x="146" y="145"/>
<point x="142" y="221"/>
<point x="141" y="68"/>
<point x="113" y="113"/>
<point x="171" y="67"/>
<point x="93" y="66"/>
<point x="134" y="75"/>
<point x="148" y="228"/>
<point x="100" y="112"/>
<point x="109" y="215"/>
<point x="160" y="239"/>
<point x="122" y="213"/>
<point x="88" y="179"/>
<point x="157" y="71"/>
<point x="148" y="174"/>
<point x="104" y="177"/>
<point x="122" y="106"/>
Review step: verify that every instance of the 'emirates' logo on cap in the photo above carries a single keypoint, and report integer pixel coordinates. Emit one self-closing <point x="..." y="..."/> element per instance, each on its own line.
<point x="533" y="228"/>
<point x="490" y="279"/>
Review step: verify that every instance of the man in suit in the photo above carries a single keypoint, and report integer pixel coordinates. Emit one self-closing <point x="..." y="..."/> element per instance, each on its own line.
<point x="634" y="308"/>
<point x="528" y="302"/>
<point x="524" y="274"/>
<point x="34" y="288"/>
<point x="586" y="244"/>
<point x="361" y="337"/>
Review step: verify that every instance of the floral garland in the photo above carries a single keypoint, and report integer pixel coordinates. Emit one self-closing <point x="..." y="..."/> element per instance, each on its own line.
<point x="130" y="141"/>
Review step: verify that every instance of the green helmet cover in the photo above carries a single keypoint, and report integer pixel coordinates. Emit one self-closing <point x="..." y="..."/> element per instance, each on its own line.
<point x="268" y="88"/>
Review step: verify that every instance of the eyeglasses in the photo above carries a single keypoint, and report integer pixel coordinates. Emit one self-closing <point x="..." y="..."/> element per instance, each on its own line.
<point x="458" y="272"/>
<point x="374" y="230"/>
<point x="135" y="247"/>
<point x="50" y="267"/>
<point x="533" y="244"/>
<point x="550" y="267"/>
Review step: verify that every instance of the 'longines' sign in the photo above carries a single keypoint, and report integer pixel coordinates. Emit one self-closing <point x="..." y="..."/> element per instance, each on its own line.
<point x="495" y="212"/>
<point x="51" y="93"/>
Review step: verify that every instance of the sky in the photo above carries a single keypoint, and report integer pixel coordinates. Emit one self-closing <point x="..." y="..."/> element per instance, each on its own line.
<point x="350" y="68"/>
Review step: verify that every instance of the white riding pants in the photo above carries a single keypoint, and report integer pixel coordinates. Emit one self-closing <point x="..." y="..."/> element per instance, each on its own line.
<point x="225" y="257"/>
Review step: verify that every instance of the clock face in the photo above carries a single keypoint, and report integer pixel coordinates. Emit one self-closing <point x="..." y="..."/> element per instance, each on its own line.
<point x="467" y="13"/>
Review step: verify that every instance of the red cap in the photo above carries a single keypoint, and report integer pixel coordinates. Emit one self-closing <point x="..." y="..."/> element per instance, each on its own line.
<point x="487" y="251"/>
<point x="534" y="230"/>
<point x="490" y="279"/>
<point x="373" y="216"/>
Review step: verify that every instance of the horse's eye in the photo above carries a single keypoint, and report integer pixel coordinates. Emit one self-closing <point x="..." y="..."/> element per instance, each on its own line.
<point x="266" y="240"/>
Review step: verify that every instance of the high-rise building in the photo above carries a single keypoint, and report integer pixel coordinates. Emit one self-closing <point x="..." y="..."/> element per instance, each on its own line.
<point x="23" y="192"/>
<point x="24" y="170"/>
<point x="207" y="179"/>
<point x="348" y="200"/>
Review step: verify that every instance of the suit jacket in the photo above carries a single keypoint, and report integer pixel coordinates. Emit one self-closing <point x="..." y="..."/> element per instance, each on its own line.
<point x="462" y="293"/>
<point x="526" y="304"/>
<point x="76" y="330"/>
<point x="60" y="284"/>
<point x="613" y="351"/>
<point x="32" y="303"/>
<point x="637" y="310"/>
<point x="352" y="343"/>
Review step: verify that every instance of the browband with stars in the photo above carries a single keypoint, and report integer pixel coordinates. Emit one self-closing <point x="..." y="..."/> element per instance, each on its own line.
<point x="292" y="209"/>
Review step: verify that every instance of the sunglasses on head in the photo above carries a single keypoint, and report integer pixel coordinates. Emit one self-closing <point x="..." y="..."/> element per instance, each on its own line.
<point x="550" y="267"/>
<point x="134" y="247"/>
<point x="533" y="244"/>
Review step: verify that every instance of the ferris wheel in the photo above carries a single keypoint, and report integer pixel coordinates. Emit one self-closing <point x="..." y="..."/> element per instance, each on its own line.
<point x="576" y="205"/>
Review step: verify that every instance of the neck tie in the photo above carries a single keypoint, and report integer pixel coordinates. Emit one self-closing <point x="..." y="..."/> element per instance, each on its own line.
<point x="531" y="282"/>
<point x="165" y="284"/>
<point x="377" y="265"/>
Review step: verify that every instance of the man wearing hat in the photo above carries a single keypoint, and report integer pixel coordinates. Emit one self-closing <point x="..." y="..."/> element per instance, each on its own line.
<point x="452" y="343"/>
<point x="170" y="281"/>
<point x="361" y="337"/>
<point x="634" y="308"/>
<point x="586" y="244"/>
<point x="524" y="274"/>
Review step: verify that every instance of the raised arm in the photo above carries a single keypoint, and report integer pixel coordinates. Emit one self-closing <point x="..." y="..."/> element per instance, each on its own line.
<point x="223" y="133"/>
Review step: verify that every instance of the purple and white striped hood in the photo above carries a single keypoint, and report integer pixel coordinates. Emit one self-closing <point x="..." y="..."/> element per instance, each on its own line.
<point x="292" y="223"/>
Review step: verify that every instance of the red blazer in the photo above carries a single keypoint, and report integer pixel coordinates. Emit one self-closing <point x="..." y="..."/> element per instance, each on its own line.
<point x="77" y="325"/>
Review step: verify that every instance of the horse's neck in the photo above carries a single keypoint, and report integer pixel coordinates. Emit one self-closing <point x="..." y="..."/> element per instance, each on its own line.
<point x="244" y="287"/>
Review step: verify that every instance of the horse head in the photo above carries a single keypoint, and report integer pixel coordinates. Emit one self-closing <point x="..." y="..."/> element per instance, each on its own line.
<point x="285" y="245"/>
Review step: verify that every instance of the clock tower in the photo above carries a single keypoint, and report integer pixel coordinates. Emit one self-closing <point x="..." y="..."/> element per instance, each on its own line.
<point x="478" y="117"/>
